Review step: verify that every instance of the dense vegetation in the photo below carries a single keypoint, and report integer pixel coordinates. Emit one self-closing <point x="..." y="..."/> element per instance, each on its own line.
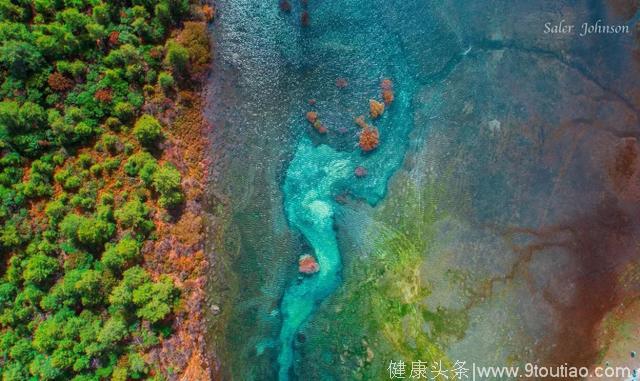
<point x="85" y="90"/>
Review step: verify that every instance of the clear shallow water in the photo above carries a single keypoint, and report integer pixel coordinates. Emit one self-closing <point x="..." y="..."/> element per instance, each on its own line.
<point x="319" y="173"/>
<point x="281" y="68"/>
<point x="282" y="179"/>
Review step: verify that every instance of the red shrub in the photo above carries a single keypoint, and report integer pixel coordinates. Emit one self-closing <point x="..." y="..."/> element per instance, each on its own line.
<point x="59" y="82"/>
<point x="387" y="91"/>
<point x="156" y="52"/>
<point x="369" y="139"/>
<point x="114" y="38"/>
<point x="312" y="117"/>
<point x="209" y="12"/>
<point x="103" y="95"/>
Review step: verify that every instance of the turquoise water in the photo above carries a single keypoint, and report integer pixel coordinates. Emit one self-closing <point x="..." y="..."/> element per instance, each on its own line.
<point x="312" y="179"/>
<point x="280" y="66"/>
<point x="319" y="172"/>
<point x="460" y="67"/>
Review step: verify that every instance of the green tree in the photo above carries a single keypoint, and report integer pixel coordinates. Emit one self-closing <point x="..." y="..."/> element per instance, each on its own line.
<point x="101" y="14"/>
<point x="9" y="116"/>
<point x="32" y="116"/>
<point x="155" y="300"/>
<point x="147" y="130"/>
<point x="124" y="111"/>
<point x="134" y="215"/>
<point x="90" y="232"/>
<point x="46" y="335"/>
<point x="39" y="268"/>
<point x="137" y="366"/>
<point x="43" y="369"/>
<point x="167" y="182"/>
<point x="114" y="330"/>
<point x="94" y="232"/>
<point x="74" y="20"/>
<point x="177" y="58"/>
<point x="121" y="297"/>
<point x="47" y="7"/>
<point x="20" y="58"/>
<point x="142" y="164"/>
<point x="90" y="288"/>
<point x="171" y="11"/>
<point x="125" y="252"/>
<point x="166" y="82"/>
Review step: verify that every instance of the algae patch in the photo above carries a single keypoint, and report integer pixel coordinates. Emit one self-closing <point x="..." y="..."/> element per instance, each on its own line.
<point x="381" y="306"/>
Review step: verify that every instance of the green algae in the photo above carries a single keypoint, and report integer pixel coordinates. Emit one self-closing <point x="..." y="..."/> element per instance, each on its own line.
<point x="381" y="307"/>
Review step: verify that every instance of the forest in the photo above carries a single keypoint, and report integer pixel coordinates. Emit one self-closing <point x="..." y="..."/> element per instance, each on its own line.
<point x="89" y="90"/>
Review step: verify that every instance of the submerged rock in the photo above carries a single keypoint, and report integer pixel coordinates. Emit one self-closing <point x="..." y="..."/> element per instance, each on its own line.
<point x="341" y="198"/>
<point x="307" y="264"/>
<point x="341" y="83"/>
<point x="370" y="355"/>
<point x="304" y="18"/>
<point x="285" y="6"/>
<point x="312" y="117"/>
<point x="320" y="127"/>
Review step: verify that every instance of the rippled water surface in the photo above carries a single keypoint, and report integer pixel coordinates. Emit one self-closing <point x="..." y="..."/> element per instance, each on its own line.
<point x="493" y="168"/>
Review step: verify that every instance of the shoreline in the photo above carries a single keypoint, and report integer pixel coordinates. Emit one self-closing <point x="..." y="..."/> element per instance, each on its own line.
<point x="215" y="205"/>
<point x="184" y="242"/>
<point x="179" y="248"/>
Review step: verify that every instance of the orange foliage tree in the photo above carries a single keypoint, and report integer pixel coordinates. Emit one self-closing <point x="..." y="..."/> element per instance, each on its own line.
<point x="369" y="138"/>
<point x="59" y="82"/>
<point x="387" y="91"/>
<point x="103" y="95"/>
